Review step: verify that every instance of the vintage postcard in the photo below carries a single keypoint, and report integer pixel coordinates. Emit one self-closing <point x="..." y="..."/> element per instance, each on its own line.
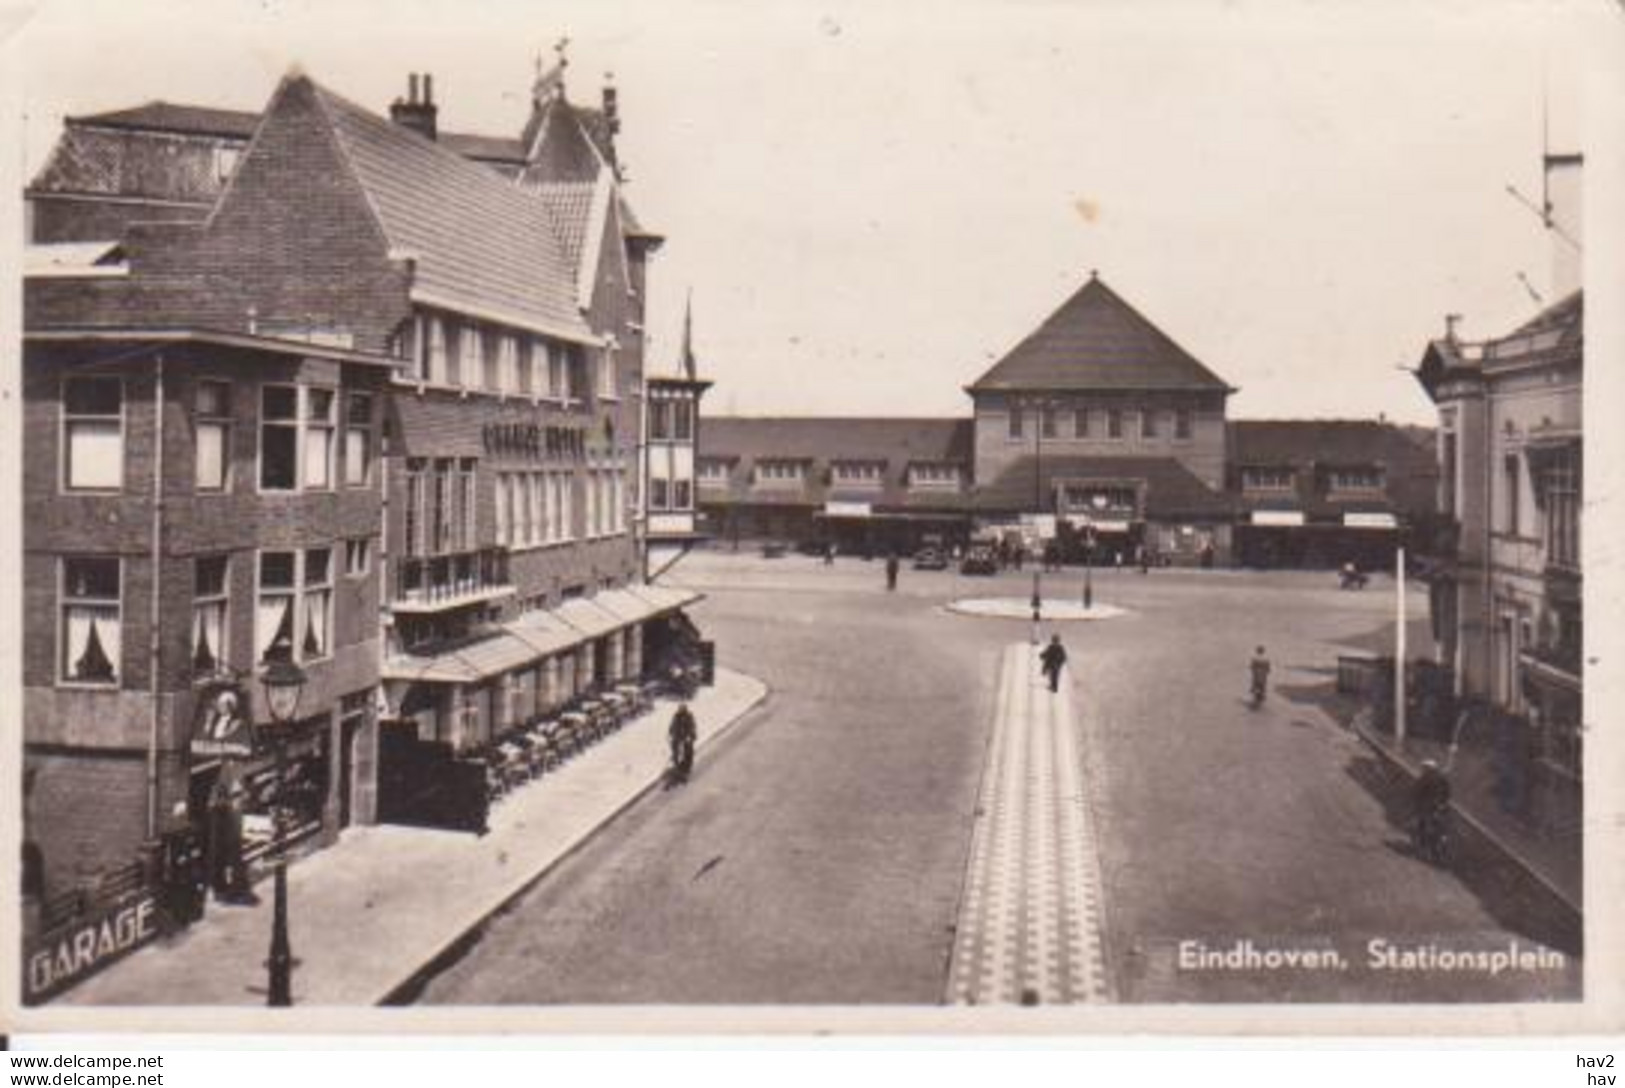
<point x="1067" y="517"/>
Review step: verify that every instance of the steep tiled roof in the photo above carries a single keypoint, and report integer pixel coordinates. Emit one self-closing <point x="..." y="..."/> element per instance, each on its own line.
<point x="1410" y="467"/>
<point x="1097" y="341"/>
<point x="818" y="442"/>
<point x="480" y="243"/>
<point x="896" y="441"/>
<point x="1172" y="490"/>
<point x="1323" y="441"/>
<point x="570" y="206"/>
<point x="177" y="117"/>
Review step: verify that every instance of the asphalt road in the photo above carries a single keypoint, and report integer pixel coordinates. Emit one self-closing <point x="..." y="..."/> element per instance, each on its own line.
<point x="819" y="854"/>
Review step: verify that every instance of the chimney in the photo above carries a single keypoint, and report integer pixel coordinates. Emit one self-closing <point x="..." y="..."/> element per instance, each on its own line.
<point x="415" y="113"/>
<point x="612" y="120"/>
<point x="1450" y="323"/>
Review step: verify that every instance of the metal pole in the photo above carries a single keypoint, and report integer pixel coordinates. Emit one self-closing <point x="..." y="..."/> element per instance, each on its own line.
<point x="1399" y="646"/>
<point x="280" y="963"/>
<point x="155" y="602"/>
<point x="1088" y="576"/>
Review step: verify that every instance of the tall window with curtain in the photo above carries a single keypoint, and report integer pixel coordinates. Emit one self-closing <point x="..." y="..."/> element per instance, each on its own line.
<point x="358" y="440"/>
<point x="317" y="638"/>
<point x="209" y="604"/>
<point x="275" y="609"/>
<point x="90" y="628"/>
<point x="321" y="408"/>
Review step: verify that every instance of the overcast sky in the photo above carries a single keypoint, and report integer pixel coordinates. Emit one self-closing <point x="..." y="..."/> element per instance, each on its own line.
<point x="873" y="202"/>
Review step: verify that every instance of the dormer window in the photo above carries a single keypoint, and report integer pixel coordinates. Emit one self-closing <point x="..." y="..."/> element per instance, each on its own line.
<point x="713" y="473"/>
<point x="1266" y="478"/>
<point x="934" y="477"/>
<point x="1355" y="479"/>
<point x="779" y="473"/>
<point x="865" y="474"/>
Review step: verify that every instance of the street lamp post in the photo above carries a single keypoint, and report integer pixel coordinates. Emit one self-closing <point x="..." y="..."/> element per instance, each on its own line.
<point x="283" y="681"/>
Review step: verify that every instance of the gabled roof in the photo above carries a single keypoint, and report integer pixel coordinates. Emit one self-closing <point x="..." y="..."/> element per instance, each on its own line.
<point x="185" y="119"/>
<point x="1172" y="490"/>
<point x="1322" y="441"/>
<point x="1097" y="341"/>
<point x="480" y="244"/>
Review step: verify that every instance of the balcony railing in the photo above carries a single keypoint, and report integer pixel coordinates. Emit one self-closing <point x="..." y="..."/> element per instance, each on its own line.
<point x="437" y="583"/>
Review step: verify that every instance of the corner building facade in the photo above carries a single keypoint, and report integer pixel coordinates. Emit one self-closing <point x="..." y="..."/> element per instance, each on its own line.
<point x="375" y="402"/>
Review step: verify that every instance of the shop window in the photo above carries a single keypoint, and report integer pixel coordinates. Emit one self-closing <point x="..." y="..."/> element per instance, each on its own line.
<point x="213" y="422"/>
<point x="93" y="434"/>
<point x="90" y="629"/>
<point x="209" y="603"/>
<point x="358" y="440"/>
<point x="279" y="437"/>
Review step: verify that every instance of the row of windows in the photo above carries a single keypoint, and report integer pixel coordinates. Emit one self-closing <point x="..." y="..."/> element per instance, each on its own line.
<point x="293" y="614"/>
<point x="299" y="436"/>
<point x="468" y="355"/>
<point x="667" y="494"/>
<point x="1556" y="509"/>
<point x="534" y="507"/>
<point x="440" y="506"/>
<point x="671" y="420"/>
<point x="1284" y="478"/>
<point x="849" y="473"/>
<point x="1094" y="422"/>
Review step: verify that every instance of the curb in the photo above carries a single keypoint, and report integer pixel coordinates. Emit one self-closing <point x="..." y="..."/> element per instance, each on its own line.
<point x="1394" y="759"/>
<point x="407" y="990"/>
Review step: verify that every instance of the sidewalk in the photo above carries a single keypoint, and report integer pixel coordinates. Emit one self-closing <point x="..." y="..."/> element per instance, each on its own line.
<point x="370" y="912"/>
<point x="1553" y="857"/>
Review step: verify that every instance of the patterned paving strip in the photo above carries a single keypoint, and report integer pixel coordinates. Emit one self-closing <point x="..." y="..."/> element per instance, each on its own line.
<point x="1029" y="924"/>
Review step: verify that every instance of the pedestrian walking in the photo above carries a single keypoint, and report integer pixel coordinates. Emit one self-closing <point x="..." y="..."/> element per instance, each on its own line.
<point x="1054" y="660"/>
<point x="829" y="554"/>
<point x="892" y="567"/>
<point x="682" y="734"/>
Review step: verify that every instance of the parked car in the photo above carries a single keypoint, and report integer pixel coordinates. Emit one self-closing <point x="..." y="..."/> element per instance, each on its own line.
<point x="930" y="558"/>
<point x="979" y="560"/>
<point x="773" y="549"/>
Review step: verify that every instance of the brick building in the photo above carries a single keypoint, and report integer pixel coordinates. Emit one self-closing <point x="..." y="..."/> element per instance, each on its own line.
<point x="358" y="393"/>
<point x="1096" y="425"/>
<point x="1504" y="562"/>
<point x="866" y="485"/>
